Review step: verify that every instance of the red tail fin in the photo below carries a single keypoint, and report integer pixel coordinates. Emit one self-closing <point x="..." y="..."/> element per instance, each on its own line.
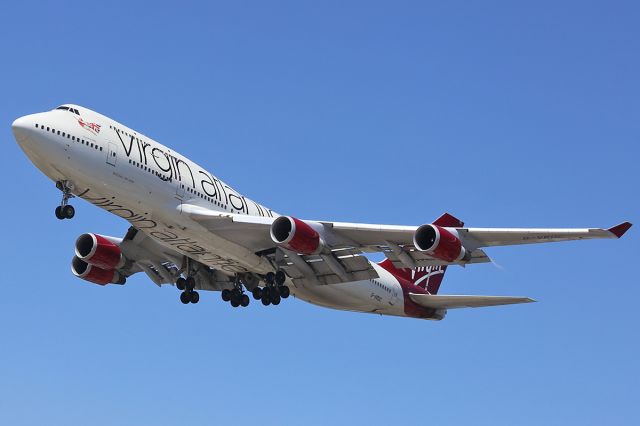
<point x="448" y="221"/>
<point x="430" y="277"/>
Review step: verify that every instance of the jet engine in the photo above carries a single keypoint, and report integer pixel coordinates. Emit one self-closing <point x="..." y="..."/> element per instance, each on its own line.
<point x="440" y="243"/>
<point x="95" y="274"/>
<point x="99" y="251"/>
<point x="296" y="235"/>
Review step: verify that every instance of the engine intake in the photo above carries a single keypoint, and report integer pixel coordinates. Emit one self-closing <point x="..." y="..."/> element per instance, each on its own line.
<point x="99" y="251"/>
<point x="295" y="235"/>
<point x="439" y="243"/>
<point x="95" y="274"/>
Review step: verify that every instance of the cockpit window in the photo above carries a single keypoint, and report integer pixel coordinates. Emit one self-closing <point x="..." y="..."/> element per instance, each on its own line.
<point x="66" y="108"/>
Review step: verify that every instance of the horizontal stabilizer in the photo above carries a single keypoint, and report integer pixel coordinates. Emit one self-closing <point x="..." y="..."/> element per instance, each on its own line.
<point x="438" y="301"/>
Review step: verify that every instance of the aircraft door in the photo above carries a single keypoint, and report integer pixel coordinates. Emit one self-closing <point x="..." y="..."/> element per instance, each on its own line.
<point x="181" y="190"/>
<point x="394" y="295"/>
<point x="67" y="148"/>
<point x="112" y="155"/>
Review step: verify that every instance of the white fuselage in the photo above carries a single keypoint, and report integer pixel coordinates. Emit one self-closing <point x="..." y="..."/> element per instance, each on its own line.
<point x="145" y="183"/>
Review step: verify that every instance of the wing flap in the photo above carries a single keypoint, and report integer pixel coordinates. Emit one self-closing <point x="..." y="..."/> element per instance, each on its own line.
<point x="438" y="301"/>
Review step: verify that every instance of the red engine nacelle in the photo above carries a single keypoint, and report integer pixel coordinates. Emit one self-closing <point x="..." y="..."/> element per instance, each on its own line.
<point x="439" y="243"/>
<point x="295" y="235"/>
<point x="99" y="251"/>
<point x="95" y="274"/>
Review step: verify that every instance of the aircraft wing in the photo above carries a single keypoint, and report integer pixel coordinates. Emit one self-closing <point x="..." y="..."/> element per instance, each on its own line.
<point x="488" y="237"/>
<point x="347" y="242"/>
<point x="163" y="265"/>
<point x="437" y="301"/>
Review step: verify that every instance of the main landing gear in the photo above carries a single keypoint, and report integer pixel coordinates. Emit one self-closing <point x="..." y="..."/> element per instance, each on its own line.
<point x="236" y="296"/>
<point x="274" y="290"/>
<point x="187" y="286"/>
<point x="65" y="210"/>
<point x="271" y="294"/>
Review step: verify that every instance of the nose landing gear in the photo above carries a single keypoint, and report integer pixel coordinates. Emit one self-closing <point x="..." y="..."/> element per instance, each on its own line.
<point x="65" y="210"/>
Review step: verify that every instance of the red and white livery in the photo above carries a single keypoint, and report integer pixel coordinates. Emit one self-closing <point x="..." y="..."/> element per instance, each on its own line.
<point x="190" y="229"/>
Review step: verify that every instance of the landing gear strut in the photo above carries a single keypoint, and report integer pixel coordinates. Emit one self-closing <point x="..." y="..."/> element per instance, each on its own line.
<point x="65" y="210"/>
<point x="188" y="285"/>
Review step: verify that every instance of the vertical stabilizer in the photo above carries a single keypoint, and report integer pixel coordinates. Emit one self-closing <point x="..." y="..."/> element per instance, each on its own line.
<point x="430" y="277"/>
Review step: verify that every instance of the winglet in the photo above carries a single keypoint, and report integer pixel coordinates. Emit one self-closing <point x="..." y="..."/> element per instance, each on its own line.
<point x="619" y="230"/>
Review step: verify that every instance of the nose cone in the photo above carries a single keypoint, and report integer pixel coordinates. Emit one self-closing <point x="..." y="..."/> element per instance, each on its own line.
<point x="22" y="127"/>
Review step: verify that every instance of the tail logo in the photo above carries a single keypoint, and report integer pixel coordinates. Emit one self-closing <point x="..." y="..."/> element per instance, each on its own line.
<point x="419" y="275"/>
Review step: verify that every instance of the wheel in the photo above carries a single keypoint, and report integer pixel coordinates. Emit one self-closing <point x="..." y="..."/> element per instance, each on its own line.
<point x="266" y="300"/>
<point x="270" y="278"/>
<point x="185" y="297"/>
<point x="226" y="294"/>
<point x="275" y="299"/>
<point x="59" y="212"/>
<point x="284" y="291"/>
<point x="257" y="293"/>
<point x="195" y="297"/>
<point x="280" y="277"/>
<point x="235" y="301"/>
<point x="181" y="283"/>
<point x="68" y="211"/>
<point x="244" y="300"/>
<point x="191" y="283"/>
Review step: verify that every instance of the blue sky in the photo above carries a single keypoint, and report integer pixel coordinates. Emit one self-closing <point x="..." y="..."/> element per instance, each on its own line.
<point x="381" y="112"/>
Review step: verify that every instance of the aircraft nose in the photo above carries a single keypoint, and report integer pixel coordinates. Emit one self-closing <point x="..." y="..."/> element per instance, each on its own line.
<point x="21" y="127"/>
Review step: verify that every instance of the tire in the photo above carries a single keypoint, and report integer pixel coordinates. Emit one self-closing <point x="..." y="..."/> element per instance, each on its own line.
<point x="68" y="212"/>
<point x="244" y="301"/>
<point x="59" y="212"/>
<point x="275" y="299"/>
<point x="181" y="283"/>
<point x="185" y="297"/>
<point x="257" y="293"/>
<point x="280" y="277"/>
<point x="270" y="278"/>
<point x="266" y="301"/>
<point x="191" y="283"/>
<point x="195" y="297"/>
<point x="226" y="295"/>
<point x="235" y="302"/>
<point x="284" y="291"/>
<point x="266" y="292"/>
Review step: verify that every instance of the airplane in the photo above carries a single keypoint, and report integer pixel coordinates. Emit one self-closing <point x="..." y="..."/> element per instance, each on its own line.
<point x="191" y="230"/>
